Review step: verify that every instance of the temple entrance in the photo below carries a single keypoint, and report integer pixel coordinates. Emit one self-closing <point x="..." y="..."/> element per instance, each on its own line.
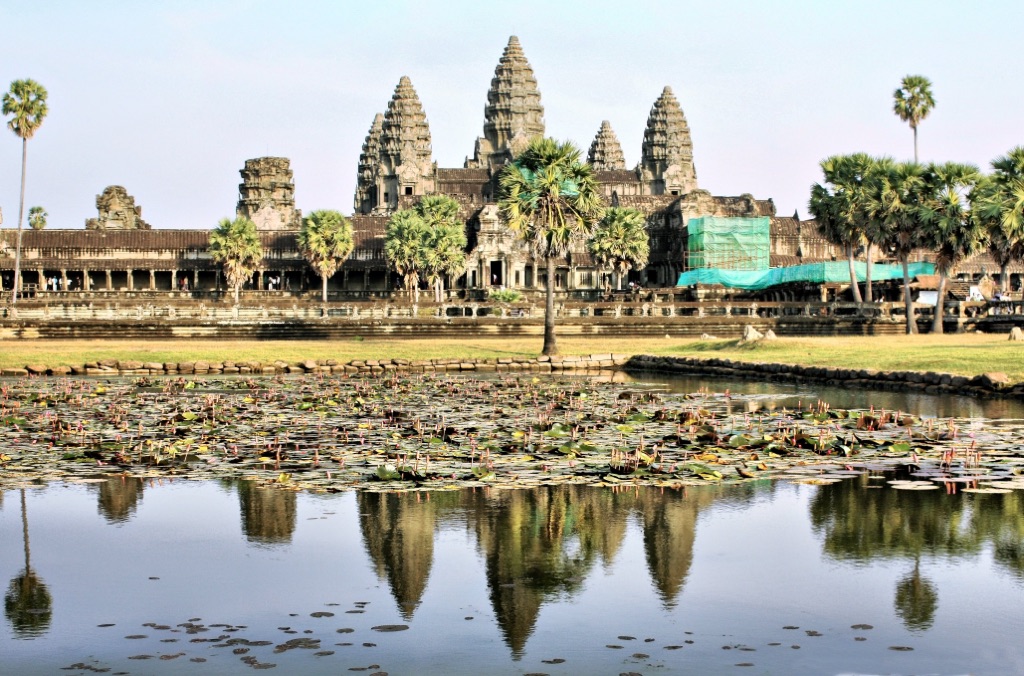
<point x="497" y="278"/>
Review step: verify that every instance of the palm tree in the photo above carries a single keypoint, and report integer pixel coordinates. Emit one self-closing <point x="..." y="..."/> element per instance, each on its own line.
<point x="445" y="255"/>
<point x="26" y="103"/>
<point x="842" y="205"/>
<point x="999" y="204"/>
<point x="405" y="244"/>
<point x="900" y="193"/>
<point x="236" y="245"/>
<point x="952" y="232"/>
<point x="621" y="242"/>
<point x="445" y="250"/>
<point x="912" y="102"/>
<point x="325" y="241"/>
<point x="550" y="198"/>
<point x="37" y="218"/>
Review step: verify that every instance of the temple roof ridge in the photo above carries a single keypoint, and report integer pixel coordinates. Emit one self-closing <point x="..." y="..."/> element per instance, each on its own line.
<point x="405" y="130"/>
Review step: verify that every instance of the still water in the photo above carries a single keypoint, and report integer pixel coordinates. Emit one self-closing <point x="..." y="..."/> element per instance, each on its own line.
<point x="206" y="577"/>
<point x="136" y="576"/>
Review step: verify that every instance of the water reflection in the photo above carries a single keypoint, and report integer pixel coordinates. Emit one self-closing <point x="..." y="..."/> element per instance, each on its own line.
<point x="916" y="600"/>
<point x="268" y="514"/>
<point x="27" y="603"/>
<point x="398" y="533"/>
<point x="119" y="498"/>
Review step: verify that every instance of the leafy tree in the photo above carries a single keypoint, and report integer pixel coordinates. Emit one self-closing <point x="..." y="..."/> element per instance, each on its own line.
<point x="430" y="240"/>
<point x="236" y="245"/>
<point x="325" y="241"/>
<point x="999" y="205"/>
<point x="405" y="245"/>
<point x="900" y="192"/>
<point x="26" y="104"/>
<point x="37" y="218"/>
<point x="445" y="252"/>
<point x="841" y="206"/>
<point x="912" y="102"/>
<point x="620" y="241"/>
<point x="550" y="198"/>
<point x="952" y="232"/>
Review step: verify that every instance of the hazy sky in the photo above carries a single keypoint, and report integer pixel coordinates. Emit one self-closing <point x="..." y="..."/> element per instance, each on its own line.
<point x="170" y="98"/>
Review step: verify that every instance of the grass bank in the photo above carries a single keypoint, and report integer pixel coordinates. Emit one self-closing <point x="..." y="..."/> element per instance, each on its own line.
<point x="964" y="354"/>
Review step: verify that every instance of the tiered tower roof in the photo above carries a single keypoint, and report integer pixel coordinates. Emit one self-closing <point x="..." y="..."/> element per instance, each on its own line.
<point x="405" y="137"/>
<point x="513" y="115"/>
<point x="605" y="152"/>
<point x="368" y="160"/>
<point x="667" y="155"/>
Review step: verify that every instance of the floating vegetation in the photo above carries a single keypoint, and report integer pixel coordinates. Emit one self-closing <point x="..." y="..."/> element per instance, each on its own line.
<point x="408" y="432"/>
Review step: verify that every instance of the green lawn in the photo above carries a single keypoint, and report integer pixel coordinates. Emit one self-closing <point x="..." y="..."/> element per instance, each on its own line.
<point x="967" y="354"/>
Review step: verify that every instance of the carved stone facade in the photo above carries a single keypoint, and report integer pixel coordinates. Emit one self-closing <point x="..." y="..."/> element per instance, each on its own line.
<point x="266" y="195"/>
<point x="117" y="211"/>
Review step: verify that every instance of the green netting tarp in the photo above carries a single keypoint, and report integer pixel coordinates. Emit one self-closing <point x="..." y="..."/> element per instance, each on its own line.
<point x="732" y="243"/>
<point x="836" y="272"/>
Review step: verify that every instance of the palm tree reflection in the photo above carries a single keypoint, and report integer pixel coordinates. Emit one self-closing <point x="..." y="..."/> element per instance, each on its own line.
<point x="27" y="603"/>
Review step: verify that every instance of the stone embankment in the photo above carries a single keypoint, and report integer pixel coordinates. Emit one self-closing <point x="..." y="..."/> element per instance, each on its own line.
<point x="985" y="385"/>
<point x="930" y="382"/>
<point x="114" y="367"/>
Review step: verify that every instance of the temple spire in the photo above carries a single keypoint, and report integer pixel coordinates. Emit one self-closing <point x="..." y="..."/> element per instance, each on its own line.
<point x="406" y="159"/>
<point x="606" y="152"/>
<point x="666" y="161"/>
<point x="366" y="198"/>
<point x="513" y="115"/>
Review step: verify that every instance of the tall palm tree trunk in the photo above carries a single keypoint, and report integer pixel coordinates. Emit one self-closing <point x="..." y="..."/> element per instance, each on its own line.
<point x="16" y="286"/>
<point x="323" y="290"/>
<point x="868" y="292"/>
<point x="908" y="302"/>
<point x="940" y="304"/>
<point x="550" y="347"/>
<point x="915" y="143"/>
<point x="853" y="275"/>
<point x="24" y="530"/>
<point x="1004" y="277"/>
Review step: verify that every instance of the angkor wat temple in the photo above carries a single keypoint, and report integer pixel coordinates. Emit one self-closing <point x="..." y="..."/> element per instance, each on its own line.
<point x="118" y="251"/>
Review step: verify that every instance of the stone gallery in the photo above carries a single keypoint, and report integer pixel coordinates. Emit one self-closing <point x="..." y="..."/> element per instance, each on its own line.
<point x="119" y="252"/>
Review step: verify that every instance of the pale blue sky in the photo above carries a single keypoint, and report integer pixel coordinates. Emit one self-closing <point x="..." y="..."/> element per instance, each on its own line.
<point x="170" y="98"/>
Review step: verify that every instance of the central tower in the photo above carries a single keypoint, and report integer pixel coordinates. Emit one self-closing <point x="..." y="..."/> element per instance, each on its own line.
<point x="513" y="114"/>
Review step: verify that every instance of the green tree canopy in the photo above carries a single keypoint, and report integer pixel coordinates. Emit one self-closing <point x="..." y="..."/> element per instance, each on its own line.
<point x="405" y="247"/>
<point x="325" y="241"/>
<point x="620" y="241"/>
<point x="25" y="103"/>
<point x="999" y="206"/>
<point x="912" y="101"/>
<point x="550" y="199"/>
<point x="841" y="205"/>
<point x="236" y="246"/>
<point x="952" y="232"/>
<point x="37" y="218"/>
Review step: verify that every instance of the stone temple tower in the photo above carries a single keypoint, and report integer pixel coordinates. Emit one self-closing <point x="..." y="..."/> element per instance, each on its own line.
<point x="266" y="195"/>
<point x="513" y="114"/>
<point x="366" y="187"/>
<point x="397" y="159"/>
<point x="666" y="161"/>
<point x="606" y="152"/>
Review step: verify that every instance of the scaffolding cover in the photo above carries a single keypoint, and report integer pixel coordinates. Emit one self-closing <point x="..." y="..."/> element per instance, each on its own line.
<point x="728" y="243"/>
<point x="820" y="273"/>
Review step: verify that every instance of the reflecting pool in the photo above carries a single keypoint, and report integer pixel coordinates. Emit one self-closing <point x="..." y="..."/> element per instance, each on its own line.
<point x="162" y="576"/>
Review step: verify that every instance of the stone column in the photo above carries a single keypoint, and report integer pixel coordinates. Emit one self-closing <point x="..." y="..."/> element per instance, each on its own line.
<point x="110" y="281"/>
<point x="174" y="280"/>
<point x="86" y="284"/>
<point x="42" y="280"/>
<point x="259" y="279"/>
<point x="195" y="279"/>
<point x="131" y="280"/>
<point x="152" y="280"/>
<point x="63" y="279"/>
